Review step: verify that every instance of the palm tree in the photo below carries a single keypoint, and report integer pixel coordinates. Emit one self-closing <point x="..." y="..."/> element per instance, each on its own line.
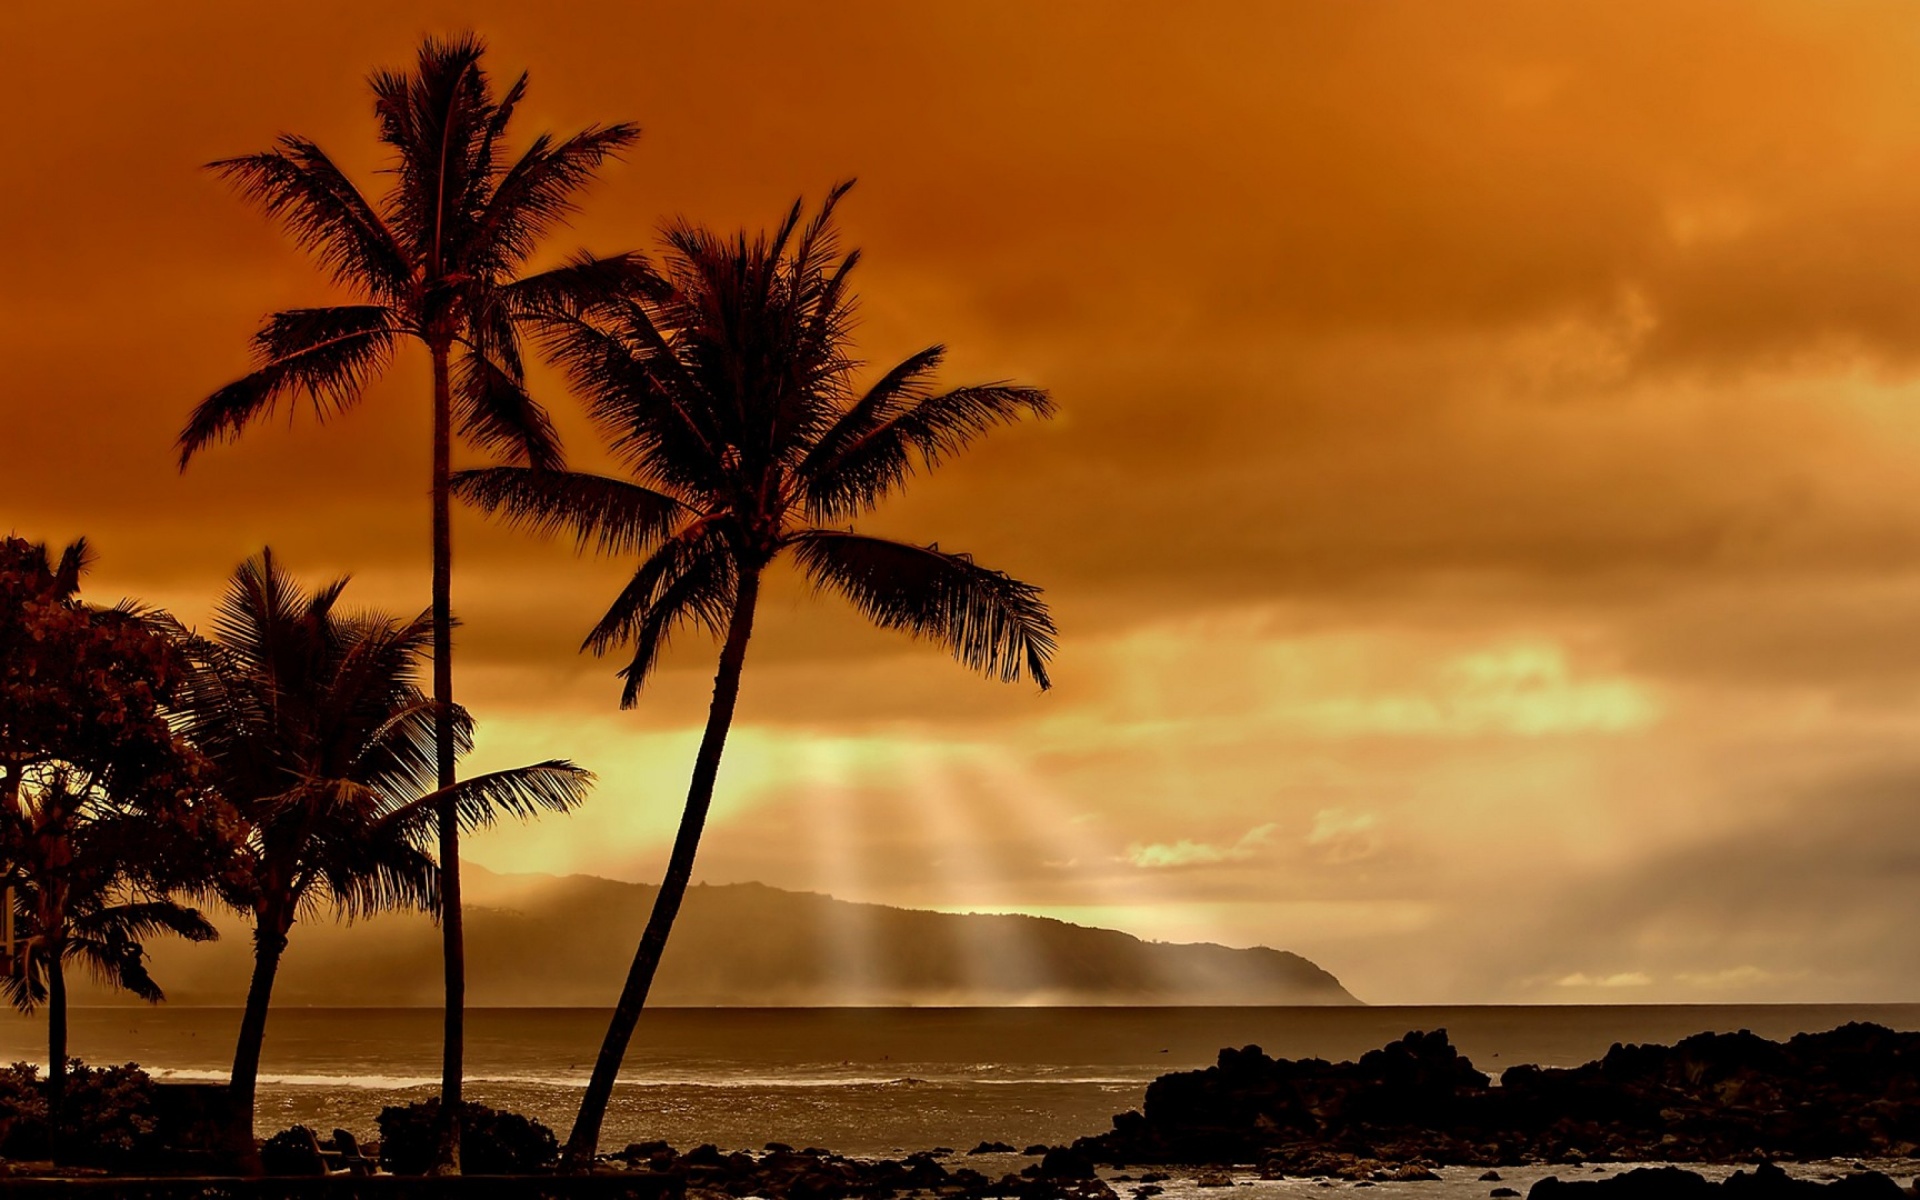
<point x="322" y="742"/>
<point x="434" y="261"/>
<point x="725" y="387"/>
<point x="78" y="881"/>
<point x="98" y="796"/>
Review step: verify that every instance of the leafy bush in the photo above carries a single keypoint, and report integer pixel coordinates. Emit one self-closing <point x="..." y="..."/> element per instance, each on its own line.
<point x="109" y="1114"/>
<point x="291" y="1152"/>
<point x="23" y="1113"/>
<point x="491" y="1142"/>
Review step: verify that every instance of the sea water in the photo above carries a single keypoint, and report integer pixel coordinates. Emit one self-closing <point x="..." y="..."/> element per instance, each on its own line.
<point x="857" y="1081"/>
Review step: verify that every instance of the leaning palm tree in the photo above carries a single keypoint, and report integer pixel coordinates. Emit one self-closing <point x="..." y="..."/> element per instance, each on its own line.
<point x="726" y="387"/>
<point x="434" y="261"/>
<point x="322" y="743"/>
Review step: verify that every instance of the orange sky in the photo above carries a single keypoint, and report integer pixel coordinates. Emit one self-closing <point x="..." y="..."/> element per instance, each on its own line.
<point x="1483" y="521"/>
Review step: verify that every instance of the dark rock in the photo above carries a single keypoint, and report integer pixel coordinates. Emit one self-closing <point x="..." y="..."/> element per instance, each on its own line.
<point x="1500" y="1193"/>
<point x="1490" y="1177"/>
<point x="1036" y="1148"/>
<point x="992" y="1148"/>
<point x="1062" y="1162"/>
<point x="778" y="1148"/>
<point x="1646" y="1183"/>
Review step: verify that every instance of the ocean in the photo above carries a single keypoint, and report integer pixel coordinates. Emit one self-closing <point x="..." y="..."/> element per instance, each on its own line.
<point x="858" y="1081"/>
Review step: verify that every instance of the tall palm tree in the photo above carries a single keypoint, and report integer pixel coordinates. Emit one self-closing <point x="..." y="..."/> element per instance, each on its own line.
<point x="321" y="741"/>
<point x="435" y="261"/>
<point x="726" y="387"/>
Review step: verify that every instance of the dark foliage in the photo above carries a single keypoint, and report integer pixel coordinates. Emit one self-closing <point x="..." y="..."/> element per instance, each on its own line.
<point x="109" y="1114"/>
<point x="292" y="1152"/>
<point x="492" y="1142"/>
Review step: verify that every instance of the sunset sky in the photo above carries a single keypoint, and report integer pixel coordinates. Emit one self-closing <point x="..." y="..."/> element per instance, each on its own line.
<point x="1483" y="519"/>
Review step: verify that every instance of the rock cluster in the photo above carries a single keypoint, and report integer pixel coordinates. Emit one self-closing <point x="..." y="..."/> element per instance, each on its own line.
<point x="1765" y="1182"/>
<point x="1850" y="1092"/>
<point x="816" y="1174"/>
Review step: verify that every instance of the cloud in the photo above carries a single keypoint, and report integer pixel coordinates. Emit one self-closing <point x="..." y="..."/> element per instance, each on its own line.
<point x="1187" y="853"/>
<point x="1344" y="837"/>
<point x="1621" y="979"/>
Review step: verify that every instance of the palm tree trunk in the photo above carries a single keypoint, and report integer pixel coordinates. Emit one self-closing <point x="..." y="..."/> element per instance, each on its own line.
<point x="452" y="930"/>
<point x="585" y="1138"/>
<point x="269" y="943"/>
<point x="57" y="1047"/>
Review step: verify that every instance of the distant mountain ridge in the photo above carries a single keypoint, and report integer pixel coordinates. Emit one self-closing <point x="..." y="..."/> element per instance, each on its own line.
<point x="547" y="941"/>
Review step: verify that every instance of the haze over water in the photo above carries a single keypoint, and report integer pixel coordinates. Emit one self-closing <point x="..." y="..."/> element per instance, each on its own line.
<point x="858" y="1081"/>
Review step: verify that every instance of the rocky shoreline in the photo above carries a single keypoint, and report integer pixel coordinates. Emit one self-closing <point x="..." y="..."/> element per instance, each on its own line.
<point x="1402" y="1112"/>
<point x="783" y="1173"/>
<point x="1852" y="1092"/>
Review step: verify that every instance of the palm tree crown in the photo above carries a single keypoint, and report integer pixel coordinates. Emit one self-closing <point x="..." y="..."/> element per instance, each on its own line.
<point x="725" y="385"/>
<point x="321" y="740"/>
<point x="434" y="260"/>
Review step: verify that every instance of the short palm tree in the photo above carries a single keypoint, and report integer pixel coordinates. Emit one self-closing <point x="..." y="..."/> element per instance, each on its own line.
<point x="322" y="743"/>
<point x="726" y="388"/>
<point x="434" y="261"/>
<point x="82" y="895"/>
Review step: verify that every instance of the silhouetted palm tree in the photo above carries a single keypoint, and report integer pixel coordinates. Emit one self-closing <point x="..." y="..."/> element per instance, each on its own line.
<point x="433" y="261"/>
<point x="726" y="388"/>
<point x="80" y="898"/>
<point x="323" y="744"/>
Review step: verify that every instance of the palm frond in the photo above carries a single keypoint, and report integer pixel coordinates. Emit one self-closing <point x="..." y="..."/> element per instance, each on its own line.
<point x="435" y="117"/>
<point x="903" y="386"/>
<point x="992" y="622"/>
<point x="142" y="919"/>
<point x="583" y="283"/>
<point x="376" y="875"/>
<point x="74" y="562"/>
<point x="494" y="412"/>
<point x="656" y="415"/>
<point x="298" y="185"/>
<point x="930" y="430"/>
<point x="688" y="581"/>
<point x="554" y="786"/>
<point x="681" y="554"/>
<point x="328" y="353"/>
<point x="538" y="192"/>
<point x="614" y="516"/>
<point x="24" y="990"/>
